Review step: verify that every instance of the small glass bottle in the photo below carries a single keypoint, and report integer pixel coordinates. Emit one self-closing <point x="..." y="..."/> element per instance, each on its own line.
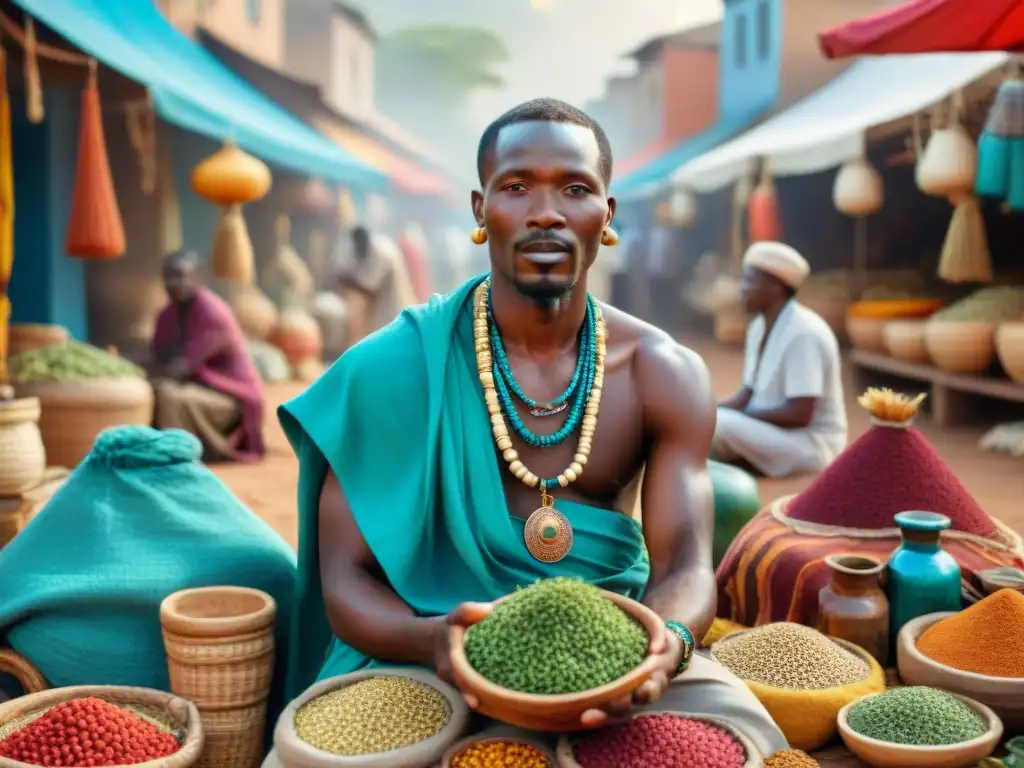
<point x="922" y="577"/>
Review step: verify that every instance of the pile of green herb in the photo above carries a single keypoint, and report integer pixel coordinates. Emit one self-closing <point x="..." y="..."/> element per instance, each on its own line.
<point x="916" y="716"/>
<point x="73" y="361"/>
<point x="556" y="636"/>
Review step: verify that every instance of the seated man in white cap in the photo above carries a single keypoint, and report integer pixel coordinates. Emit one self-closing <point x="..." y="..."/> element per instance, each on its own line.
<point x="789" y="416"/>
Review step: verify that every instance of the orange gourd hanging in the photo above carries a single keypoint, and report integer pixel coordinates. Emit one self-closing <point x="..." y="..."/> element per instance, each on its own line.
<point x="764" y="217"/>
<point x="231" y="177"/>
<point x="95" y="229"/>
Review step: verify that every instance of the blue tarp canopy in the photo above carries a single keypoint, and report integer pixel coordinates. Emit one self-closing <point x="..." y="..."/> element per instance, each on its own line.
<point x="192" y="89"/>
<point x="650" y="179"/>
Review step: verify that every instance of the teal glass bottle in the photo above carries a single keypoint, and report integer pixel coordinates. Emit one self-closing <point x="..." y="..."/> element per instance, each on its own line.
<point x="922" y="577"/>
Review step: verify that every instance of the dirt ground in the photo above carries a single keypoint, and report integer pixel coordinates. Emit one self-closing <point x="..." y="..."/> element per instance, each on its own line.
<point x="995" y="480"/>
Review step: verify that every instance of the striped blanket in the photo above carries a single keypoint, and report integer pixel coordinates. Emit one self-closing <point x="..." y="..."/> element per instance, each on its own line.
<point x="776" y="566"/>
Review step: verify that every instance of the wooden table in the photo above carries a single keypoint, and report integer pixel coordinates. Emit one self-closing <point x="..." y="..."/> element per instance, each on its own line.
<point x="954" y="398"/>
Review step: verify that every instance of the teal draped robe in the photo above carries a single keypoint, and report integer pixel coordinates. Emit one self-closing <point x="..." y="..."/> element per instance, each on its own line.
<point x="401" y="421"/>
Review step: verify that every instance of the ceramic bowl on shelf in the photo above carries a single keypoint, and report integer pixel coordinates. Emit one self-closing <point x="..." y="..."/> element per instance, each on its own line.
<point x="867" y="333"/>
<point x="960" y="346"/>
<point x="904" y="340"/>
<point x="884" y="754"/>
<point x="559" y="713"/>
<point x="1010" y="349"/>
<point x="1004" y="695"/>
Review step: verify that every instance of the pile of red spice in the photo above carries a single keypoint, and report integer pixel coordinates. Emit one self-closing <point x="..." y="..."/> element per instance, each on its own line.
<point x="884" y="472"/>
<point x="660" y="741"/>
<point x="88" y="732"/>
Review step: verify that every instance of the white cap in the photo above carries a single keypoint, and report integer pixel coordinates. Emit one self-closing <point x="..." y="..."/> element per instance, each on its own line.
<point x="778" y="260"/>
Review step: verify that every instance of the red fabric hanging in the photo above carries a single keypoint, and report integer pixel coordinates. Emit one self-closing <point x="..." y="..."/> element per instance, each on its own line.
<point x="930" y="26"/>
<point x="95" y="227"/>
<point x="764" y="219"/>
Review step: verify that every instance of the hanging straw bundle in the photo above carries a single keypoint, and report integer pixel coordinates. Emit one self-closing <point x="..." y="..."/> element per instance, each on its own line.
<point x="286" y="278"/>
<point x="764" y="216"/>
<point x="965" y="254"/>
<point x="6" y="222"/>
<point x="33" y="85"/>
<point x="95" y="229"/>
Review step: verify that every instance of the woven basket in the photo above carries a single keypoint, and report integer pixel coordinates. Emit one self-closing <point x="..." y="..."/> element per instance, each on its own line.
<point x="220" y="654"/>
<point x="28" y="336"/>
<point x="75" y="412"/>
<point x="21" y="669"/>
<point x="22" y="456"/>
<point x="164" y="710"/>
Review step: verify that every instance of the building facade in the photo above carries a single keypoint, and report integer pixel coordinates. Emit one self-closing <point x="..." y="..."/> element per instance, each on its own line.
<point x="751" y="54"/>
<point x="252" y="27"/>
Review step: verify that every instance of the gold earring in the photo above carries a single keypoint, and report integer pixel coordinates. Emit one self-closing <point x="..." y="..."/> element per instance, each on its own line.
<point x="478" y="235"/>
<point x="609" y="238"/>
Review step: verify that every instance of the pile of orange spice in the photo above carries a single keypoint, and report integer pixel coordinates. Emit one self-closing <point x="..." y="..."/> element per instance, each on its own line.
<point x="791" y="758"/>
<point x="499" y="754"/>
<point x="985" y="639"/>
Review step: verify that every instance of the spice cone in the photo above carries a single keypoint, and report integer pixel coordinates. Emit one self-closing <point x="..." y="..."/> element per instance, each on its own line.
<point x="95" y="228"/>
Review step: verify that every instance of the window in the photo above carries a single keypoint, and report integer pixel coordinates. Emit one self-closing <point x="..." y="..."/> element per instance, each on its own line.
<point x="764" y="30"/>
<point x="356" y="93"/>
<point x="253" y="10"/>
<point x="740" y="33"/>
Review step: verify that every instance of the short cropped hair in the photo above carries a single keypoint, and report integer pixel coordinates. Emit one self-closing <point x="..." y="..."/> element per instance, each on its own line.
<point x="545" y="111"/>
<point x="186" y="257"/>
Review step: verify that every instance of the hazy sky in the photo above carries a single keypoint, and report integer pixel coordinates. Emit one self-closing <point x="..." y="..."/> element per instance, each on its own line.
<point x="559" y="48"/>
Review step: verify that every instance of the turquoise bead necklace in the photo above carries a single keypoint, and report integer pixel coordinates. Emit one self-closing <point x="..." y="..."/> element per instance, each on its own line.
<point x="578" y="391"/>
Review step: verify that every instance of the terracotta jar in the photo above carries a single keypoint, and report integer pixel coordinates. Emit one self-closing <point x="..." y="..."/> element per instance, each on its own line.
<point x="853" y="607"/>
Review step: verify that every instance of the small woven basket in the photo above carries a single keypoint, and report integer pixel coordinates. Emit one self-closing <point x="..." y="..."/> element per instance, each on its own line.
<point x="21" y="669"/>
<point x="164" y="710"/>
<point x="220" y="655"/>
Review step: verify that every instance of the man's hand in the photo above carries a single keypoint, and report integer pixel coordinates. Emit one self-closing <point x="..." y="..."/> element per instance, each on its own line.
<point x="669" y="654"/>
<point x="464" y="615"/>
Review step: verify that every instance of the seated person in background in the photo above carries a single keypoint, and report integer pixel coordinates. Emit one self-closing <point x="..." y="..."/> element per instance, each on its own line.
<point x="418" y="475"/>
<point x="789" y="417"/>
<point x="202" y="376"/>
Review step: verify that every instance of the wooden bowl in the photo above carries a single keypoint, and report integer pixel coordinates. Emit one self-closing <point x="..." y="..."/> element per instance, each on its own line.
<point x="1010" y="348"/>
<point x="567" y="744"/>
<point x="960" y="347"/>
<point x="1005" y="695"/>
<point x="171" y="712"/>
<point x="886" y="755"/>
<point x="561" y="713"/>
<point x="485" y="738"/>
<point x="904" y="340"/>
<point x="867" y="333"/>
<point x="293" y="752"/>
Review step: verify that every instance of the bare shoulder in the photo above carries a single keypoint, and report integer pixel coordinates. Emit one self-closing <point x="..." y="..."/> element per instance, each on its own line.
<point x="669" y="376"/>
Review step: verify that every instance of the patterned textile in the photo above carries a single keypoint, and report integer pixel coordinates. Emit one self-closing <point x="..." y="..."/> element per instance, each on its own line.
<point x="776" y="566"/>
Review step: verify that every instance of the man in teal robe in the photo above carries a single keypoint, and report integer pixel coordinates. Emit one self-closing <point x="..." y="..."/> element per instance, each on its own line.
<point x="409" y="518"/>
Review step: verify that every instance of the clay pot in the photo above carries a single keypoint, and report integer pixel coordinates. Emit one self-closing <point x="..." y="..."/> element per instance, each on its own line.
<point x="1010" y="348"/>
<point x="853" y="606"/>
<point x="22" y="456"/>
<point x="904" y="339"/>
<point x="867" y="333"/>
<point x="961" y="347"/>
<point x="27" y="336"/>
<point x="297" y="335"/>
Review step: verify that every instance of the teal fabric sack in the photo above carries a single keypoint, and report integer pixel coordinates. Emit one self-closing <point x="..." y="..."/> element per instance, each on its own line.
<point x="140" y="518"/>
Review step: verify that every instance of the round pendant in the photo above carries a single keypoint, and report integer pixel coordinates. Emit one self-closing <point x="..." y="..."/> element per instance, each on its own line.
<point x="548" y="535"/>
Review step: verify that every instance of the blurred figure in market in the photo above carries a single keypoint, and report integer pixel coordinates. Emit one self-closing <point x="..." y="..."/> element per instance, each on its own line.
<point x="789" y="416"/>
<point x="374" y="282"/>
<point x="203" y="378"/>
<point x="414" y="247"/>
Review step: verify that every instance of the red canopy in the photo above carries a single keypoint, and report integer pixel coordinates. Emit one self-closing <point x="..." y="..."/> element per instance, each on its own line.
<point x="931" y="26"/>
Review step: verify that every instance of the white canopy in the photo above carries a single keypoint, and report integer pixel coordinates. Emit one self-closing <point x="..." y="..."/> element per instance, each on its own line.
<point x="828" y="127"/>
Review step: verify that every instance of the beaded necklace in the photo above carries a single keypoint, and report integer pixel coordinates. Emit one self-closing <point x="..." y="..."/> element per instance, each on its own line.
<point x="548" y="534"/>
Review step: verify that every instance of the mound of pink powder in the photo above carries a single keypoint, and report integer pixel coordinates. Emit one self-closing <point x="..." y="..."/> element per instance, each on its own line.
<point x="660" y="741"/>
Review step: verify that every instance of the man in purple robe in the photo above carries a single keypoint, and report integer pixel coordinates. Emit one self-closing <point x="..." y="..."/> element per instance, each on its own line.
<point x="204" y="380"/>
